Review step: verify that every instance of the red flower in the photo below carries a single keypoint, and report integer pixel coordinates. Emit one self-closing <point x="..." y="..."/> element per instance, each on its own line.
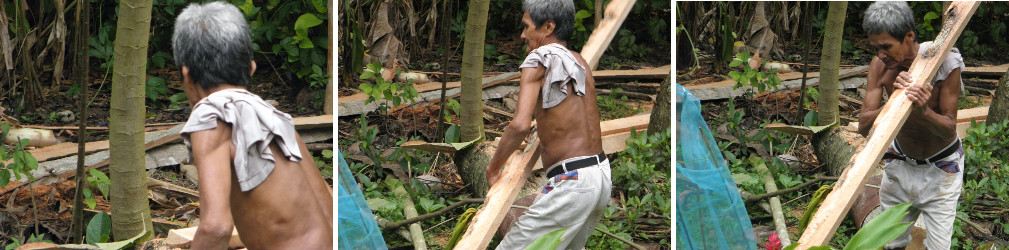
<point x="774" y="243"/>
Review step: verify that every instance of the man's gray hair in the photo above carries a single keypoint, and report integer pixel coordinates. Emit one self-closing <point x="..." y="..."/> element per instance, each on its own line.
<point x="213" y="40"/>
<point x="894" y="18"/>
<point x="562" y="12"/>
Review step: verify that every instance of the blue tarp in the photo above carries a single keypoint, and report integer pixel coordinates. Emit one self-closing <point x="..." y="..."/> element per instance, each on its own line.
<point x="357" y="226"/>
<point x="710" y="214"/>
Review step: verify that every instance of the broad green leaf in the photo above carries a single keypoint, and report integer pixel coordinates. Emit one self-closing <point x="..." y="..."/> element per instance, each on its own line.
<point x="100" y="224"/>
<point x="5" y="177"/>
<point x="735" y="63"/>
<point x="304" y="22"/>
<point x="320" y="6"/>
<point x="881" y="230"/>
<point x="124" y="243"/>
<point x="930" y="16"/>
<point x="548" y="241"/>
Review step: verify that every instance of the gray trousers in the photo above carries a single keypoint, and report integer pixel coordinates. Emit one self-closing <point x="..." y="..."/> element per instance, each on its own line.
<point x="574" y="200"/>
<point x="932" y="189"/>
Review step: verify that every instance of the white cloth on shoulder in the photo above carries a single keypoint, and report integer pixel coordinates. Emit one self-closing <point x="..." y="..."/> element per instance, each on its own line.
<point x="561" y="67"/>
<point x="254" y="125"/>
<point x="953" y="61"/>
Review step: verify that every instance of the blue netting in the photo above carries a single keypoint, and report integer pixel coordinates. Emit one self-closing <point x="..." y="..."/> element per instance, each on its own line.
<point x="709" y="211"/>
<point x="357" y="226"/>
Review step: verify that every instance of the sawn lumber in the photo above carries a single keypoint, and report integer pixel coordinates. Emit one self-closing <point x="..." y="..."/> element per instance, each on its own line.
<point x="891" y="118"/>
<point x="725" y="89"/>
<point x="184" y="237"/>
<point x="517" y="170"/>
<point x="355" y="104"/>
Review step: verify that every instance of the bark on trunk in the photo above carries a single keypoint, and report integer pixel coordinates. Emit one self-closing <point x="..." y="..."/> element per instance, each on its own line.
<point x="472" y="163"/>
<point x="659" y="121"/>
<point x="131" y="214"/>
<point x="81" y="78"/>
<point x="832" y="151"/>
<point x="999" y="110"/>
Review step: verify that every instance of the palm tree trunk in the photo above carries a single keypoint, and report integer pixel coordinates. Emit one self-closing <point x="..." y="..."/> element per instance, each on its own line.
<point x="832" y="151"/>
<point x="472" y="162"/>
<point x="131" y="214"/>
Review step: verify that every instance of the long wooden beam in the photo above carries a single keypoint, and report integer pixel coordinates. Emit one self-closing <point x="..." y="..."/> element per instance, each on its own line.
<point x="517" y="170"/>
<point x="891" y="118"/>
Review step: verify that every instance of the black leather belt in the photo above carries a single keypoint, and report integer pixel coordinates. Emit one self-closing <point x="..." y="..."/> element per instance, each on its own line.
<point x="945" y="153"/>
<point x="565" y="167"/>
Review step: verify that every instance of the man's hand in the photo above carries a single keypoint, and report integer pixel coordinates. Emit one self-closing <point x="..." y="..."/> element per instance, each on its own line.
<point x="918" y="94"/>
<point x="492" y="176"/>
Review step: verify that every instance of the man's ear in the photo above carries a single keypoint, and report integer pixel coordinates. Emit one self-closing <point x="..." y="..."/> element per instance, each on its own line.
<point x="549" y="26"/>
<point x="909" y="36"/>
<point x="185" y="73"/>
<point x="253" y="68"/>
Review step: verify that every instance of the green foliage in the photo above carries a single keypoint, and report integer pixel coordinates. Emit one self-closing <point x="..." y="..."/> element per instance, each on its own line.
<point x="291" y="30"/>
<point x="392" y="93"/>
<point x="325" y="163"/>
<point x="751" y="77"/>
<point x="880" y="230"/>
<point x="99" y="229"/>
<point x="96" y="180"/>
<point x="155" y="87"/>
<point x="74" y="90"/>
<point x="970" y="45"/>
<point x="613" y="107"/>
<point x="548" y="241"/>
<point x="31" y="239"/>
<point x="644" y="179"/>
<point x="15" y="162"/>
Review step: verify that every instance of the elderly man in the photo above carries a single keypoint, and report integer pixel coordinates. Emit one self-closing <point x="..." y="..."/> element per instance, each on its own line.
<point x="256" y="175"/>
<point x="925" y="163"/>
<point x="558" y="89"/>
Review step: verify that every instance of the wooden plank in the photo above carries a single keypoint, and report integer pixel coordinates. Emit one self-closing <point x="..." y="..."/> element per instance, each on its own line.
<point x="725" y="90"/>
<point x="354" y="104"/>
<point x="311" y="122"/>
<point x="65" y="149"/>
<point x="70" y="148"/>
<point x="613" y="17"/>
<point x="987" y="70"/>
<point x="978" y="113"/>
<point x="184" y="237"/>
<point x="892" y="117"/>
<point x="499" y="198"/>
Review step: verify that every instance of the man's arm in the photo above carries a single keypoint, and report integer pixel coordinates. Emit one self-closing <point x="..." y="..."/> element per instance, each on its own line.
<point x="211" y="151"/>
<point x="942" y="124"/>
<point x="873" y="97"/>
<point x="518" y="128"/>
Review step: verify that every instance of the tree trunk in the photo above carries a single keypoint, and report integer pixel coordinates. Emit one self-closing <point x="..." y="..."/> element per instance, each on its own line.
<point x="684" y="49"/>
<point x="659" y="121"/>
<point x="81" y="78"/>
<point x="131" y="214"/>
<point x="471" y="117"/>
<point x="999" y="109"/>
<point x="832" y="151"/>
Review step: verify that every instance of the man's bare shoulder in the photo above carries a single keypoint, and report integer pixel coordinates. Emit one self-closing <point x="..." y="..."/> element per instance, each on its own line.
<point x="581" y="60"/>
<point x="206" y="141"/>
<point x="877" y="67"/>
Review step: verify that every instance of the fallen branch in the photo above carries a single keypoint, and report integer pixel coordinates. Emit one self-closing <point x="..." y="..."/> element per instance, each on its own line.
<point x="775" y="202"/>
<point x="628" y="94"/>
<point x="410" y="210"/>
<point x="629" y="242"/>
<point x="749" y="197"/>
<point x="393" y="225"/>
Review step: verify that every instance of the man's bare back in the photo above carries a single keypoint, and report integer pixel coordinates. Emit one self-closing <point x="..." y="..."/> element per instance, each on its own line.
<point x="571" y="128"/>
<point x="291" y="209"/>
